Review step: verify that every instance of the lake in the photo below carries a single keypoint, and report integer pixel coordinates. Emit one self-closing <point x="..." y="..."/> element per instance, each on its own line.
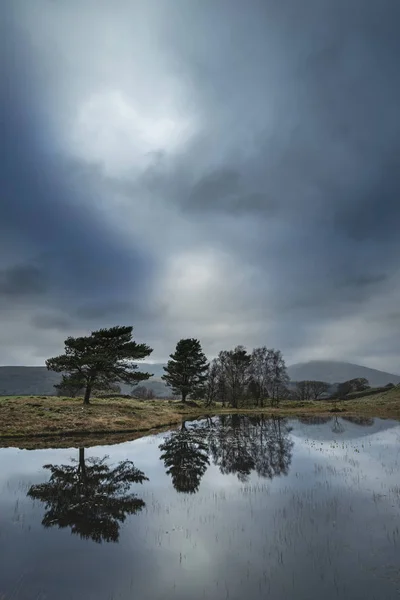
<point x="231" y="507"/>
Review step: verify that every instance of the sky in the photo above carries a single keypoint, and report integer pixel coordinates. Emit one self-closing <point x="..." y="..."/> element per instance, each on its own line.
<point x="224" y="170"/>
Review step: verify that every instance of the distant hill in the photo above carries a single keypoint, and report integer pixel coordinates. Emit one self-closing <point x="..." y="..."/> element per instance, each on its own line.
<point x="337" y="372"/>
<point x="38" y="381"/>
<point x="31" y="381"/>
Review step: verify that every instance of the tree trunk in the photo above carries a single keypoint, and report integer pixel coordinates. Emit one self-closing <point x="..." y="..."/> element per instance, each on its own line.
<point x="88" y="391"/>
<point x="82" y="459"/>
<point x="184" y="394"/>
<point x="82" y="466"/>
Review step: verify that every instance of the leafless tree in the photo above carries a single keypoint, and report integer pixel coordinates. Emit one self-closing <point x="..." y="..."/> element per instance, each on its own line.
<point x="303" y="390"/>
<point x="211" y="391"/>
<point x="143" y="393"/>
<point x="235" y="373"/>
<point x="259" y="376"/>
<point x="310" y="390"/>
<point x="318" y="389"/>
<point x="277" y="379"/>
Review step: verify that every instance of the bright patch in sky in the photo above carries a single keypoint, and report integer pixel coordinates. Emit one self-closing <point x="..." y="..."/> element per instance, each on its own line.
<point x="191" y="274"/>
<point x="110" y="130"/>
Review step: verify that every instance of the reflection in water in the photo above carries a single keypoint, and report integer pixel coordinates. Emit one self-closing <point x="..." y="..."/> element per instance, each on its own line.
<point x="185" y="455"/>
<point x="319" y="519"/>
<point x="91" y="497"/>
<point x="314" y="420"/>
<point x="362" y="421"/>
<point x="237" y="444"/>
<point x="337" y="426"/>
<point x="241" y="445"/>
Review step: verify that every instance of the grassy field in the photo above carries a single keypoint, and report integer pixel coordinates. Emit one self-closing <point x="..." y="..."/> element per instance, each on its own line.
<point x="33" y="417"/>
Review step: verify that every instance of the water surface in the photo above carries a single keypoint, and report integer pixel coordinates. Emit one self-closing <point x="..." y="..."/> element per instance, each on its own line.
<point x="221" y="508"/>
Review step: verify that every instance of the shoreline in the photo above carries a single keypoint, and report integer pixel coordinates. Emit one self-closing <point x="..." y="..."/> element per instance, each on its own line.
<point x="39" y="421"/>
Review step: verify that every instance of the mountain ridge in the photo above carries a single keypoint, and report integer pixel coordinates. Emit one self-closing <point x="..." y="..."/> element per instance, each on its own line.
<point x="338" y="371"/>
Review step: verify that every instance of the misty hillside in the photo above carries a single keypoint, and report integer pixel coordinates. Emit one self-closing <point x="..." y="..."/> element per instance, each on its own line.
<point x="156" y="369"/>
<point x="38" y="381"/>
<point x="337" y="372"/>
<point x="18" y="381"/>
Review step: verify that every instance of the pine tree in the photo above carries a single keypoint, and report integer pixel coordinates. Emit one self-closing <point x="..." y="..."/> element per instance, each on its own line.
<point x="106" y="356"/>
<point x="186" y="372"/>
<point x="92" y="498"/>
<point x="185" y="456"/>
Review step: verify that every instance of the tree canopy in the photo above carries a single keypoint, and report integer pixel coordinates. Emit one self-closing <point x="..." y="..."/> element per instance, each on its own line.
<point x="359" y="384"/>
<point x="185" y="456"/>
<point x="90" y="497"/>
<point x="104" y="357"/>
<point x="238" y="378"/>
<point x="186" y="372"/>
<point x="311" y="390"/>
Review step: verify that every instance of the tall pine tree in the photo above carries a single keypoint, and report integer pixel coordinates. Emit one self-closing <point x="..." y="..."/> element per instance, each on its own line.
<point x="105" y="357"/>
<point x="186" y="372"/>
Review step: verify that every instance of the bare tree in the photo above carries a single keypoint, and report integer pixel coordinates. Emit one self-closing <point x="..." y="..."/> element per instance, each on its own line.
<point x="277" y="378"/>
<point x="318" y="389"/>
<point x="235" y="373"/>
<point x="236" y="377"/>
<point x="303" y="390"/>
<point x="211" y="392"/>
<point x="143" y="393"/>
<point x="222" y="380"/>
<point x="310" y="390"/>
<point x="258" y="384"/>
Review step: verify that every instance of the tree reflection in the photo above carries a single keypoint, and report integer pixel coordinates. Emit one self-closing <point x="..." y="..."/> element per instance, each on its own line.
<point x="90" y="497"/>
<point x="185" y="456"/>
<point x="237" y="444"/>
<point x="337" y="426"/>
<point x="241" y="445"/>
<point x="362" y="421"/>
<point x="314" y="420"/>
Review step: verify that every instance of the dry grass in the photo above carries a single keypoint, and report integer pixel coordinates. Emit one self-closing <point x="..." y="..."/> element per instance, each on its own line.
<point x="37" y="415"/>
<point x="33" y="417"/>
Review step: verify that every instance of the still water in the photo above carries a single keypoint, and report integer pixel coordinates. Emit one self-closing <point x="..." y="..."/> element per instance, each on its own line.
<point x="232" y="507"/>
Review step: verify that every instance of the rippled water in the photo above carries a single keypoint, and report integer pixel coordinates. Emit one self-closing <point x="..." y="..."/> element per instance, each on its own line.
<point x="220" y="508"/>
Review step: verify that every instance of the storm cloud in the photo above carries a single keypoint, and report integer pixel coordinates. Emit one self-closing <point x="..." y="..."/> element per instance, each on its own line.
<point x="222" y="170"/>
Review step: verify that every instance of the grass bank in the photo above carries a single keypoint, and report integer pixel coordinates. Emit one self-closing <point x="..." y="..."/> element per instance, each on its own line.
<point x="46" y="418"/>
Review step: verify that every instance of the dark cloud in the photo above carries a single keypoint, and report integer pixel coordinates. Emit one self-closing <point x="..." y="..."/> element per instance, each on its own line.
<point x="275" y="220"/>
<point x="365" y="281"/>
<point x="224" y="190"/>
<point x="56" y="322"/>
<point x="22" y="280"/>
<point x="323" y="160"/>
<point x="215" y="188"/>
<point x="47" y="199"/>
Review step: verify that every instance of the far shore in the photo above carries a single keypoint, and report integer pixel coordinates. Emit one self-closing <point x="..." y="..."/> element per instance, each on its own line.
<point x="47" y="421"/>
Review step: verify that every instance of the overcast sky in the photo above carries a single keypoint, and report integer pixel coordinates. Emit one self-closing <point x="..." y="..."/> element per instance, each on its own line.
<point x="218" y="169"/>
